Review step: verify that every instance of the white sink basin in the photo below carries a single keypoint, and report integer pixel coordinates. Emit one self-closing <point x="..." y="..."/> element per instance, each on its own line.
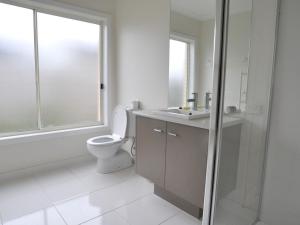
<point x="183" y="114"/>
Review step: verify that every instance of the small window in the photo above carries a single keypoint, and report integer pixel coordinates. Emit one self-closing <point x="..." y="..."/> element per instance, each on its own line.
<point x="50" y="71"/>
<point x="179" y="69"/>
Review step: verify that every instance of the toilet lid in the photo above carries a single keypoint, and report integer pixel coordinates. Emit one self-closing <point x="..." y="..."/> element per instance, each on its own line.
<point x="119" y="121"/>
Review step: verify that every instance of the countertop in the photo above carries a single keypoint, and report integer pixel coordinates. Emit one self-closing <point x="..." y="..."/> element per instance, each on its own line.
<point x="200" y="123"/>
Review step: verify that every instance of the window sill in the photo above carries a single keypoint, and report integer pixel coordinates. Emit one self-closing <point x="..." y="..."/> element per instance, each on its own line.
<point x="43" y="135"/>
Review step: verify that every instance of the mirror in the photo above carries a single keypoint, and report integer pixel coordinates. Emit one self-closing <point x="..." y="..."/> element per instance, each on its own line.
<point x="191" y="54"/>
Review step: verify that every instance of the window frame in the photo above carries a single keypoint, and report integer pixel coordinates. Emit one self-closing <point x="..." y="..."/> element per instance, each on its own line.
<point x="80" y="14"/>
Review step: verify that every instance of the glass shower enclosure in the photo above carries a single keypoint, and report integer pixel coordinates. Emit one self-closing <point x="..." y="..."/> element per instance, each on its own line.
<point x="243" y="68"/>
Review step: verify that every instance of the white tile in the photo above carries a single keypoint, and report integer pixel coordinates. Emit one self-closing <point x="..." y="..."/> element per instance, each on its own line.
<point x="66" y="190"/>
<point x="59" y="183"/>
<point x="95" y="181"/>
<point x="20" y="195"/>
<point x="82" y="166"/>
<point x="52" y="174"/>
<point x="150" y="210"/>
<point x="47" y="216"/>
<point x="111" y="218"/>
<point x="182" y="219"/>
<point x="84" y="208"/>
<point x="85" y="170"/>
<point x="12" y="182"/>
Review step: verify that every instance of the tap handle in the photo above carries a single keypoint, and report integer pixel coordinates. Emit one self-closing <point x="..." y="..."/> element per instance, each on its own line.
<point x="195" y="94"/>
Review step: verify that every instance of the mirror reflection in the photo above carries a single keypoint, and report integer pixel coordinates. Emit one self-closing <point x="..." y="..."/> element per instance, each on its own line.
<point x="191" y="55"/>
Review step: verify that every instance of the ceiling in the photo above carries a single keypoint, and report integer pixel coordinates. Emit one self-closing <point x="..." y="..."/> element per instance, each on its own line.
<point x="205" y="9"/>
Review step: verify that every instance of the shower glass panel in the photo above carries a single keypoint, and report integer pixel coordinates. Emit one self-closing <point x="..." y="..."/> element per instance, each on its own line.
<point x="244" y="101"/>
<point x="18" y="110"/>
<point x="69" y="58"/>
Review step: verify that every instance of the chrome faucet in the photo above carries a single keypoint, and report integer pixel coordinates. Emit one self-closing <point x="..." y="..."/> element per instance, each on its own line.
<point x="207" y="100"/>
<point x="194" y="100"/>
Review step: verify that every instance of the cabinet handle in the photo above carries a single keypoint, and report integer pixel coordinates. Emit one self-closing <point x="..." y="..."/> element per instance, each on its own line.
<point x="158" y="130"/>
<point x="172" y="134"/>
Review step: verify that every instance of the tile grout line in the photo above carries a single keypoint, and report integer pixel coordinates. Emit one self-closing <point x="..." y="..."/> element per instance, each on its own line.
<point x="53" y="204"/>
<point x="88" y="193"/>
<point x="176" y="214"/>
<point x="82" y="223"/>
<point x="66" y="199"/>
<point x="38" y="186"/>
<point x="98" y="189"/>
<point x="122" y="217"/>
<point x="78" y="177"/>
<point x="36" y="183"/>
<point x="59" y="214"/>
<point x="131" y="202"/>
<point x="114" y="210"/>
<point x="33" y="177"/>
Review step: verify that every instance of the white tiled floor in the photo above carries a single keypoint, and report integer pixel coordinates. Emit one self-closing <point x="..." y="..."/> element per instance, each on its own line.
<point x="71" y="192"/>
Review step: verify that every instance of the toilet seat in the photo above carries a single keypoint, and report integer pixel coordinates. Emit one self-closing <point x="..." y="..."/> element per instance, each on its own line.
<point x="105" y="140"/>
<point x="107" y="148"/>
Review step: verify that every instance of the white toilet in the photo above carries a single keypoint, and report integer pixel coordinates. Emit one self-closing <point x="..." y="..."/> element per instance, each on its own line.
<point x="107" y="148"/>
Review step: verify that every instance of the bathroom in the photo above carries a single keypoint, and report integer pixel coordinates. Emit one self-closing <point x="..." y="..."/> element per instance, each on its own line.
<point x="207" y="135"/>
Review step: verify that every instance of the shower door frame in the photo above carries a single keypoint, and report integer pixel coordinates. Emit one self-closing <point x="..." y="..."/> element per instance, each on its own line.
<point x="216" y="114"/>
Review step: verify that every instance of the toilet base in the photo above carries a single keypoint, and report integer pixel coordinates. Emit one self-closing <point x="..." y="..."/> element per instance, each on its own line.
<point x="121" y="160"/>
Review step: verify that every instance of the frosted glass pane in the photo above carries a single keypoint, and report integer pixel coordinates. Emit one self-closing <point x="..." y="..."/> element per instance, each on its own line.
<point x="69" y="71"/>
<point x="17" y="70"/>
<point x="178" y="70"/>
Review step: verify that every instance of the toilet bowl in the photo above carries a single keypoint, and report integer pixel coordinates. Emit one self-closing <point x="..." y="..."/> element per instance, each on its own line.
<point x="106" y="148"/>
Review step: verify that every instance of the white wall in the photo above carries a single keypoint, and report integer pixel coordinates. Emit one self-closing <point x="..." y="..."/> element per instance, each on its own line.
<point x="142" y="43"/>
<point x="281" y="199"/>
<point x="25" y="153"/>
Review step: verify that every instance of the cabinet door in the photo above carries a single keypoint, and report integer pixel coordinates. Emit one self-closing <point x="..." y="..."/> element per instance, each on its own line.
<point x="186" y="156"/>
<point x="151" y="149"/>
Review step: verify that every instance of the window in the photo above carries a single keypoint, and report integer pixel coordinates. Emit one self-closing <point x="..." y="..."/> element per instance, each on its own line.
<point x="69" y="71"/>
<point x="17" y="70"/>
<point x="50" y="71"/>
<point x="181" y="68"/>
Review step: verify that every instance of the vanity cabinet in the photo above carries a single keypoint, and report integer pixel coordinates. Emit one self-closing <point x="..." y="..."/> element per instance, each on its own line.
<point x="173" y="156"/>
<point x="186" y="155"/>
<point x="151" y="153"/>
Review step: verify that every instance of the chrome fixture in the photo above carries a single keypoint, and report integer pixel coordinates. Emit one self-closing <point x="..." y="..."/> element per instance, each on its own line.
<point x="207" y="100"/>
<point x="194" y="100"/>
